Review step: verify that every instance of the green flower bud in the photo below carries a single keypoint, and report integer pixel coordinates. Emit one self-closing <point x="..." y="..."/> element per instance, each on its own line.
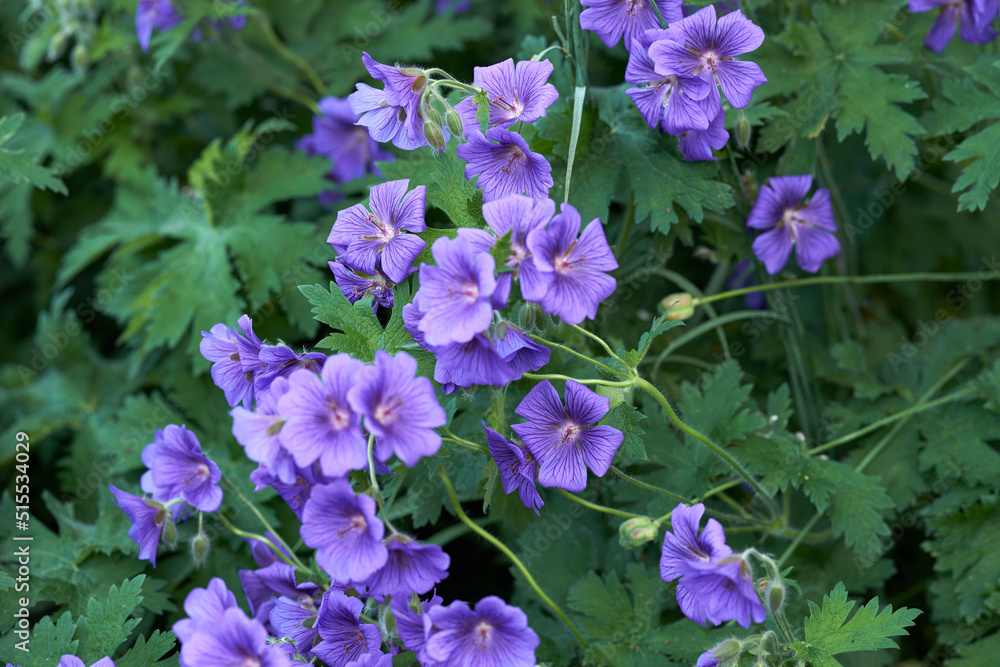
<point x="57" y="46"/>
<point x="775" y="595"/>
<point x="500" y="331"/>
<point x="454" y="122"/>
<point x="637" y="531"/>
<point x="199" y="548"/>
<point x="434" y="135"/>
<point x="434" y="116"/>
<point x="169" y="531"/>
<point x="531" y="317"/>
<point x="743" y="130"/>
<point x="683" y="305"/>
<point x="389" y="620"/>
<point x="80" y="57"/>
<point x="728" y="650"/>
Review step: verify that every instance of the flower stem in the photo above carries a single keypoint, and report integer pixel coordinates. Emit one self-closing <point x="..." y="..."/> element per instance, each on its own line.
<point x="468" y="444"/>
<point x="292" y="57"/>
<point x="253" y="508"/>
<point x="649" y="487"/>
<point x="556" y="376"/>
<point x="543" y="341"/>
<point x="596" y="507"/>
<point x="254" y="536"/>
<point x="599" y="340"/>
<point x="486" y="535"/>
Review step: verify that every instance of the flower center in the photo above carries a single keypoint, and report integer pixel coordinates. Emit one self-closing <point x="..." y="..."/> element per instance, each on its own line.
<point x="563" y="264"/>
<point x="356" y="523"/>
<point x="339" y="418"/>
<point x="387" y="412"/>
<point x="483" y="634"/>
<point x="250" y="661"/>
<point x="633" y="6"/>
<point x="515" y="153"/>
<point x="469" y="290"/>
<point x="711" y="60"/>
<point x="569" y="433"/>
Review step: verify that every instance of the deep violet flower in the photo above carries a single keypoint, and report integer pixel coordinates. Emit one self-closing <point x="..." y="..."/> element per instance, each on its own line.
<point x="204" y="606"/>
<point x="743" y="276"/>
<point x="782" y="210"/>
<point x="356" y="286"/>
<point x="319" y="424"/>
<point x="295" y="493"/>
<point x="344" y="530"/>
<point x="344" y="637"/>
<point x="715" y="586"/>
<point x="492" y="634"/>
<point x="224" y="347"/>
<point x="179" y="469"/>
<point x="612" y="19"/>
<point x="158" y="14"/>
<point x="573" y="268"/>
<point x="563" y="440"/>
<point x="697" y="145"/>
<point x="376" y="237"/>
<point x="700" y="45"/>
<point x="399" y="408"/>
<point x="233" y="640"/>
<point x="281" y="362"/>
<point x="516" y="93"/>
<point x="148" y="517"/>
<point x="288" y="618"/>
<point x="973" y="18"/>
<point x="412" y="567"/>
<point x="504" y="164"/>
<point x="517" y="469"/>
<point x="261" y="586"/>
<point x="413" y="627"/>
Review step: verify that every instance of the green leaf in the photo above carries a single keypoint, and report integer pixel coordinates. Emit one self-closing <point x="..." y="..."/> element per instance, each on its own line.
<point x="49" y="642"/>
<point x="108" y="623"/>
<point x="830" y="633"/>
<point x="482" y="102"/>
<point x="146" y="653"/>
<point x="20" y="167"/>
<point x="626" y="419"/>
<point x="660" y="325"/>
<point x="454" y="194"/>
<point x="360" y="329"/>
<point x="720" y="407"/>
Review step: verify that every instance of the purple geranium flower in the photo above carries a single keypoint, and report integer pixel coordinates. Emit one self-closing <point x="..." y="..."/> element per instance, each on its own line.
<point x="573" y="268"/>
<point x="281" y="362"/>
<point x="412" y="567"/>
<point x="698" y="144"/>
<point x="563" y="440"/>
<point x="505" y="165"/>
<point x="344" y="637"/>
<point x="973" y="18"/>
<point x="377" y="238"/>
<point x="180" y="470"/>
<point x="392" y="114"/>
<point x="204" y="606"/>
<point x="743" y="276"/>
<point x="781" y="209"/>
<point x="233" y="640"/>
<point x="454" y="296"/>
<point x="668" y="102"/>
<point x="413" y="627"/>
<point x="158" y="14"/>
<point x="73" y="661"/>
<point x="344" y="530"/>
<point x="356" y="286"/>
<point x="491" y="635"/>
<point x="517" y="469"/>
<point x="319" y="424"/>
<point x="148" y="518"/>
<point x="261" y="586"/>
<point x="258" y="432"/>
<point x="295" y="493"/>
<point x="715" y="586"/>
<point x="516" y="93"/>
<point x="225" y="348"/>
<point x="611" y="19"/>
<point x="521" y="215"/>
<point x="698" y="45"/>
<point x="288" y="618"/>
<point x="399" y="408"/>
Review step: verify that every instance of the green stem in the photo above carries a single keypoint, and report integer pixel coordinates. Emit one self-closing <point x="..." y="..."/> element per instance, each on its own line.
<point x="859" y="280"/>
<point x="798" y="538"/>
<point x="599" y="340"/>
<point x="486" y="535"/>
<point x="596" y="507"/>
<point x="626" y="226"/>
<point x="556" y="376"/>
<point x="468" y="444"/>
<point x="458" y="85"/>
<point x="649" y="487"/>
<point x="253" y="536"/>
<point x="720" y="452"/>
<point x="268" y="528"/>
<point x="718" y="489"/>
<point x="456" y="530"/>
<point x="292" y="57"/>
<point x="575" y="353"/>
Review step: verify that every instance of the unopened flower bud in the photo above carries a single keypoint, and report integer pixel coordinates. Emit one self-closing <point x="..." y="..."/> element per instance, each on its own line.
<point x="728" y="650"/>
<point x="80" y="57"/>
<point x="169" y="531"/>
<point x="637" y="531"/>
<point x="500" y="331"/>
<point x="454" y="122"/>
<point x="57" y="46"/>
<point x="199" y="548"/>
<point x="775" y="595"/>
<point x="388" y="621"/>
<point x="531" y="317"/>
<point x="434" y="135"/>
<point x="434" y="116"/>
<point x="743" y="130"/>
<point x="683" y="306"/>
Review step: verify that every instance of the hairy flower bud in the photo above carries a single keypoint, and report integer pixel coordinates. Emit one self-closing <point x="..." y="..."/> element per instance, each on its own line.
<point x="775" y="595"/>
<point x="743" y="131"/>
<point x="433" y="134"/>
<point x="531" y="317"/>
<point x="170" y="531"/>
<point x="454" y="122"/>
<point x="80" y="57"/>
<point x="199" y="548"/>
<point x="637" y="531"/>
<point x="728" y="650"/>
<point x="433" y="116"/>
<point x="683" y="305"/>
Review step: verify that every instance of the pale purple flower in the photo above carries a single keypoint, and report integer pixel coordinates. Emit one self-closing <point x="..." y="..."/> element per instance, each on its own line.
<point x="491" y="635"/>
<point x="700" y="45"/>
<point x="974" y="19"/>
<point x="148" y="518"/>
<point x="789" y="220"/>
<point x="516" y="93"/>
<point x="521" y="215"/>
<point x="412" y="567"/>
<point x="225" y="348"/>
<point x="204" y="606"/>
<point x="356" y="286"/>
<point x="504" y="164"/>
<point x="573" y="268"/>
<point x="392" y="114"/>
<point x="399" y="407"/>
<point x="454" y="295"/>
<point x="73" y="661"/>
<point x="611" y="19"/>
<point x="345" y="531"/>
<point x="344" y="637"/>
<point x="258" y="432"/>
<point x="158" y="14"/>
<point x="708" y="659"/>
<point x="281" y="362"/>
<point x="232" y="641"/>
<point x="564" y="441"/>
<point x="376" y="237"/>
<point x="697" y="145"/>
<point x="517" y="469"/>
<point x="179" y="469"/>
<point x="288" y="617"/>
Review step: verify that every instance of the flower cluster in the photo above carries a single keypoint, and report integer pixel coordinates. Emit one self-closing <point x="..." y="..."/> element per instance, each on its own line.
<point x="715" y="585"/>
<point x="973" y="18"/>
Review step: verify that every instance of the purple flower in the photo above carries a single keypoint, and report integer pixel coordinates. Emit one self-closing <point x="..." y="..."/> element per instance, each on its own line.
<point x="233" y="640"/>
<point x="295" y="493"/>
<point x="73" y="661"/>
<point x="180" y="470"/>
<point x="399" y="408"/>
<point x="343" y="528"/>
<point x="288" y="617"/>
<point x="715" y="586"/>
<point x="669" y="102"/>
<point x="517" y="469"/>
<point x="454" y="296"/>
<point x="148" y="518"/>
<point x="277" y="579"/>
<point x="336" y="136"/>
<point x="377" y="237"/>
<point x="563" y="440"/>
<point x="150" y="14"/>
<point x="356" y="286"/>
<point x="319" y="424"/>
<point x="281" y="361"/>
<point x="573" y="268"/>
<point x="708" y="659"/>
<point x="521" y="215"/>
<point x="611" y="19"/>
<point x="698" y="144"/>
<point x="412" y="567"/>
<point x="258" y="432"/>
<point x="225" y="348"/>
<point x="699" y="45"/>
<point x="505" y="165"/>
<point x="781" y="209"/>
<point x="493" y="634"/>
<point x="344" y="637"/>
<point x="413" y="627"/>
<point x="204" y="607"/>
<point x="392" y="114"/>
<point x="516" y="93"/>
<point x="972" y="17"/>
